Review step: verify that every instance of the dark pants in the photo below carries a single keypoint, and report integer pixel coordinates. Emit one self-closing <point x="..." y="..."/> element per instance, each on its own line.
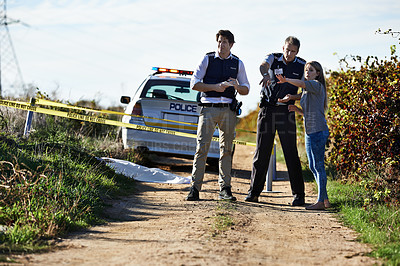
<point x="272" y="119"/>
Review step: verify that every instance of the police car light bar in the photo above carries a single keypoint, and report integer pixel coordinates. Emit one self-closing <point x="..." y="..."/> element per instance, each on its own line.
<point x="174" y="71"/>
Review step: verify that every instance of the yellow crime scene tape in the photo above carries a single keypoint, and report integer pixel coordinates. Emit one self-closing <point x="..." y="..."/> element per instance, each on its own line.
<point x="93" y="119"/>
<point x="63" y="105"/>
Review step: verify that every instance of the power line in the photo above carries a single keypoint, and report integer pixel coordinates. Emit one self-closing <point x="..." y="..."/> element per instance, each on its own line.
<point x="10" y="72"/>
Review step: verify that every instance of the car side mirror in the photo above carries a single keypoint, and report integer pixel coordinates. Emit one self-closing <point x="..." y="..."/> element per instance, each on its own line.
<point x="125" y="99"/>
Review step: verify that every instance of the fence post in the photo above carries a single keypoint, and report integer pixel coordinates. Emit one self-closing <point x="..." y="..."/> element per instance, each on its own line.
<point x="271" y="174"/>
<point x="29" y="117"/>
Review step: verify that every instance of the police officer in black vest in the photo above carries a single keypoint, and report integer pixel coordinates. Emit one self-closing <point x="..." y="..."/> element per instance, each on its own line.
<point x="275" y="116"/>
<point x="219" y="77"/>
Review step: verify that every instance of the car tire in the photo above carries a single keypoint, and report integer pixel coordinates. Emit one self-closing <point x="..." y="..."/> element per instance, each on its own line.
<point x="142" y="150"/>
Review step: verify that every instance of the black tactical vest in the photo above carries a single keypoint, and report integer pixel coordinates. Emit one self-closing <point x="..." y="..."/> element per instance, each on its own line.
<point x="292" y="70"/>
<point x="220" y="70"/>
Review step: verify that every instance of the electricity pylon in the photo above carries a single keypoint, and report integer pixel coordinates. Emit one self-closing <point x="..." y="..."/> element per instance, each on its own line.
<point x="10" y="72"/>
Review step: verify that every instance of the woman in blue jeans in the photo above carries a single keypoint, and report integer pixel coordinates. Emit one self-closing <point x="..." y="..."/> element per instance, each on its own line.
<point x="314" y="102"/>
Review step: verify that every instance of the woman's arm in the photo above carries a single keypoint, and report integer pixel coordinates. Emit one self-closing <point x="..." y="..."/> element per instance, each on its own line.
<point x="295" y="82"/>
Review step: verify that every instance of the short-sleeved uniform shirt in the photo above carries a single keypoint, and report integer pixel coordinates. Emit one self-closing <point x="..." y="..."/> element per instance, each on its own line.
<point x="293" y="70"/>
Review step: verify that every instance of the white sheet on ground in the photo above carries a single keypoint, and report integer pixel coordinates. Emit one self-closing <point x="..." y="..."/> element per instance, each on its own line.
<point x="144" y="174"/>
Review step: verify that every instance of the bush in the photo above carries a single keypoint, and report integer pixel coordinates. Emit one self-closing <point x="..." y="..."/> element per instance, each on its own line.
<point x="364" y="120"/>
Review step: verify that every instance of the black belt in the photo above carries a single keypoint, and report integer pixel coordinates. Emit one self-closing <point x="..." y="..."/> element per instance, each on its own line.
<point x="214" y="104"/>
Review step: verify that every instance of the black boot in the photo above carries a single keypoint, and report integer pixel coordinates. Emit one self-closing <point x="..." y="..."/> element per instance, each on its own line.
<point x="251" y="198"/>
<point x="193" y="194"/>
<point x="298" y="200"/>
<point x="226" y="194"/>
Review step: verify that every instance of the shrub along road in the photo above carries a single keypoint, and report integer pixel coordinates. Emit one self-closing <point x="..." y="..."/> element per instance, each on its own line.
<point x="155" y="226"/>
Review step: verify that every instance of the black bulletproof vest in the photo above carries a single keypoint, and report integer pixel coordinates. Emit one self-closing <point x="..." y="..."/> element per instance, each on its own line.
<point x="220" y="70"/>
<point x="293" y="70"/>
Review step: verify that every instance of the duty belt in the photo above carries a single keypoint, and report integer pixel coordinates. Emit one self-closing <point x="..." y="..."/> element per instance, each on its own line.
<point x="214" y="104"/>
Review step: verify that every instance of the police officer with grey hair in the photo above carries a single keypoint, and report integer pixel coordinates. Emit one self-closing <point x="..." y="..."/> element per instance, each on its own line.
<point x="275" y="116"/>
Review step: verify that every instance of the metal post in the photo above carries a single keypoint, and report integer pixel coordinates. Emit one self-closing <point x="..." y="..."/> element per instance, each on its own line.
<point x="29" y="117"/>
<point x="272" y="165"/>
<point x="271" y="174"/>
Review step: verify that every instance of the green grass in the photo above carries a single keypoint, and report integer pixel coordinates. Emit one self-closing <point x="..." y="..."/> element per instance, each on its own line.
<point x="223" y="219"/>
<point x="222" y="222"/>
<point x="378" y="225"/>
<point x="49" y="187"/>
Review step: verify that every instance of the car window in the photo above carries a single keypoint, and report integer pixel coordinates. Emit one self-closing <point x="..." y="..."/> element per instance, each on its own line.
<point x="180" y="91"/>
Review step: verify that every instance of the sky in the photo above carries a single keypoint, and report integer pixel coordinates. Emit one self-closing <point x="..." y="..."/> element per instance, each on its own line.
<point x="102" y="49"/>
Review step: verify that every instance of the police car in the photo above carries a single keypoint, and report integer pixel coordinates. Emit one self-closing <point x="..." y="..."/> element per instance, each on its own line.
<point x="164" y="100"/>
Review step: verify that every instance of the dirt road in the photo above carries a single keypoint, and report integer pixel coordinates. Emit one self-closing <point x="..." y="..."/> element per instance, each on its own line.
<point x="157" y="227"/>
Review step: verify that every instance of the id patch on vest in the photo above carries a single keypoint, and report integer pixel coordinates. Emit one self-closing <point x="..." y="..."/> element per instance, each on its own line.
<point x="278" y="71"/>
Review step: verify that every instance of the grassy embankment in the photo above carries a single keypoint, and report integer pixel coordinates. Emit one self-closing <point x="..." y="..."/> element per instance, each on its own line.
<point x="52" y="182"/>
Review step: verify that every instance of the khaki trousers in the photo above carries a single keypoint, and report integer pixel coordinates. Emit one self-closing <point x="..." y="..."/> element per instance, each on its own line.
<point x="225" y="118"/>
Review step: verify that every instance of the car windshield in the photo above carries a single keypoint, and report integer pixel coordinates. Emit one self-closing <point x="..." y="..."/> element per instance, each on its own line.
<point x="170" y="90"/>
